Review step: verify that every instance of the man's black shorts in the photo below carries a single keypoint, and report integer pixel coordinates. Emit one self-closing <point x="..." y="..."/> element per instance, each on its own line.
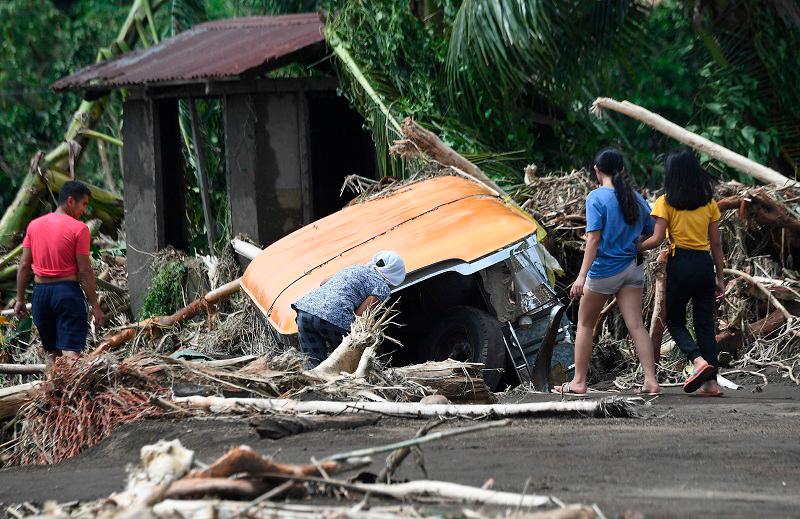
<point x="59" y="313"/>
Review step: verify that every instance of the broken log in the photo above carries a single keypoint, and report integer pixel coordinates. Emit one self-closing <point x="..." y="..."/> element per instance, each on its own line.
<point x="211" y="298"/>
<point x="14" y="397"/>
<point x="611" y="406"/>
<point x="457" y="381"/>
<point x="276" y="427"/>
<point x="701" y="144"/>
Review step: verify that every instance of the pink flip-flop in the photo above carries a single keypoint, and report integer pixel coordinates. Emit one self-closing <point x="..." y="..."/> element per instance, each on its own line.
<point x="698" y="378"/>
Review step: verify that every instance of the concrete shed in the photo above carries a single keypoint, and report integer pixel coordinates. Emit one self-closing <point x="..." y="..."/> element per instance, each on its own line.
<point x="289" y="142"/>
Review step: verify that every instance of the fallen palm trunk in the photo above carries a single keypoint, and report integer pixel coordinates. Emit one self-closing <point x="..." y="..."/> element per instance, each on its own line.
<point x="612" y="406"/>
<point x="194" y="308"/>
<point x="701" y="144"/>
<point x="64" y="156"/>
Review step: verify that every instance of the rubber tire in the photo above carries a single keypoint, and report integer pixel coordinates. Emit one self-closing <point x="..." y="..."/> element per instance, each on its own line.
<point x="481" y="341"/>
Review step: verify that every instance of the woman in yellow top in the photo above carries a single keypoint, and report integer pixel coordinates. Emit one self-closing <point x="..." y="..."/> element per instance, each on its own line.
<point x="689" y="216"/>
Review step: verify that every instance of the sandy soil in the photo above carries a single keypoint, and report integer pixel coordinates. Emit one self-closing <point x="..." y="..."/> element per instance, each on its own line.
<point x="737" y="456"/>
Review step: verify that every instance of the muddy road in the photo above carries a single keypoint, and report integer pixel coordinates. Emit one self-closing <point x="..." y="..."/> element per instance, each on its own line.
<point x="736" y="456"/>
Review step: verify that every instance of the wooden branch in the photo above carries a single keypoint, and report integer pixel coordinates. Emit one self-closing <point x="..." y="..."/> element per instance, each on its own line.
<point x="701" y="144"/>
<point x="658" y="322"/>
<point x="604" y="313"/>
<point x="245" y="460"/>
<point x="601" y="407"/>
<point x="430" y="144"/>
<point x="194" y="308"/>
<point x="359" y="453"/>
<point x="453" y="491"/>
<point x="22" y="369"/>
<point x="397" y="456"/>
<point x="772" y="299"/>
<point x="220" y="487"/>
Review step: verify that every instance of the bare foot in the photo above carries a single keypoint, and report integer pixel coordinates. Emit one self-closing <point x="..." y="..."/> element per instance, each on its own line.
<point x="571" y="388"/>
<point x="649" y="388"/>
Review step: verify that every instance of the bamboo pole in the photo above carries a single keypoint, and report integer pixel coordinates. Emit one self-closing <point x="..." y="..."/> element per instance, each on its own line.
<point x="701" y="144"/>
<point x="602" y="407"/>
<point x="26" y="203"/>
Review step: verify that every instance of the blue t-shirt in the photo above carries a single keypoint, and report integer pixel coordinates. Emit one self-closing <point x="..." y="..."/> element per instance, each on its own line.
<point x="337" y="300"/>
<point x="617" y="239"/>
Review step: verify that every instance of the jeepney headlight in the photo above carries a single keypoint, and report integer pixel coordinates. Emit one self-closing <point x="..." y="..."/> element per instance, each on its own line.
<point x="530" y="285"/>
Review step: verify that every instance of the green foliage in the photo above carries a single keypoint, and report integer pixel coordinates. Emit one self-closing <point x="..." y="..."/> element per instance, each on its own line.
<point x="504" y="82"/>
<point x="166" y="292"/>
<point x="39" y="45"/>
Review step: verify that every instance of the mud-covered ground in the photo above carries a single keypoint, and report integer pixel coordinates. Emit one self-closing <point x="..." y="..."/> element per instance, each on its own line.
<point x="737" y="456"/>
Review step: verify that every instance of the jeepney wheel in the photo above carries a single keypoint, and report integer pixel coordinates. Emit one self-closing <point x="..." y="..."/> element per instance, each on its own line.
<point x="469" y="334"/>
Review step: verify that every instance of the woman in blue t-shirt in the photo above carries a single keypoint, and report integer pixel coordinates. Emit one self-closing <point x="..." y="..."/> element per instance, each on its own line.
<point x="616" y="216"/>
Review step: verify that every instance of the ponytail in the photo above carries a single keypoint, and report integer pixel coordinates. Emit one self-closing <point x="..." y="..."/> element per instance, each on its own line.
<point x="609" y="161"/>
<point x="625" y="198"/>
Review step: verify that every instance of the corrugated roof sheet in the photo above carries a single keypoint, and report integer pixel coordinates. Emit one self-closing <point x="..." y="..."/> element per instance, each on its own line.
<point x="213" y="50"/>
<point x="427" y="222"/>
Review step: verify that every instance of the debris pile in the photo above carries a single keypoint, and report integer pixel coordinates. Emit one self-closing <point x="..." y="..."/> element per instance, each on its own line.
<point x="170" y="482"/>
<point x="760" y="229"/>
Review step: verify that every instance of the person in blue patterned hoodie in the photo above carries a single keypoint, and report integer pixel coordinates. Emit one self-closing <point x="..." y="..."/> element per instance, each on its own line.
<point x="324" y="315"/>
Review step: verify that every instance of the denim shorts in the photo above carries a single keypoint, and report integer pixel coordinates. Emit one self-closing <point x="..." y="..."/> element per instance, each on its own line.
<point x="632" y="276"/>
<point x="59" y="313"/>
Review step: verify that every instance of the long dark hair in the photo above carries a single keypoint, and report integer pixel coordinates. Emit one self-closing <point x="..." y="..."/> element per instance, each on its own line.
<point x="687" y="185"/>
<point x="609" y="161"/>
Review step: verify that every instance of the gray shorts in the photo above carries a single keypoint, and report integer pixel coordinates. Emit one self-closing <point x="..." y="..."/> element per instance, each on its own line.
<point x="632" y="276"/>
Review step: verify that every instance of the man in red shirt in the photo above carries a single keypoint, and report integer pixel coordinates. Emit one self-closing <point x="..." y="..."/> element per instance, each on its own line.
<point x="56" y="247"/>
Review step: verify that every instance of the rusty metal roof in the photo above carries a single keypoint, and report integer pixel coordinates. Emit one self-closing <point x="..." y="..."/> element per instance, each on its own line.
<point x="213" y="50"/>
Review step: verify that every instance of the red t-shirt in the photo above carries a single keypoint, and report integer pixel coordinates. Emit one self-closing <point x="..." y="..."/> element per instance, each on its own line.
<point x="54" y="240"/>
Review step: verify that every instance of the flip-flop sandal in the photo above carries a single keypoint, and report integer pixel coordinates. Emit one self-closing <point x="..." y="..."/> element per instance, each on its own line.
<point x="698" y="378"/>
<point x="642" y="392"/>
<point x="564" y="390"/>
<point x="704" y="393"/>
